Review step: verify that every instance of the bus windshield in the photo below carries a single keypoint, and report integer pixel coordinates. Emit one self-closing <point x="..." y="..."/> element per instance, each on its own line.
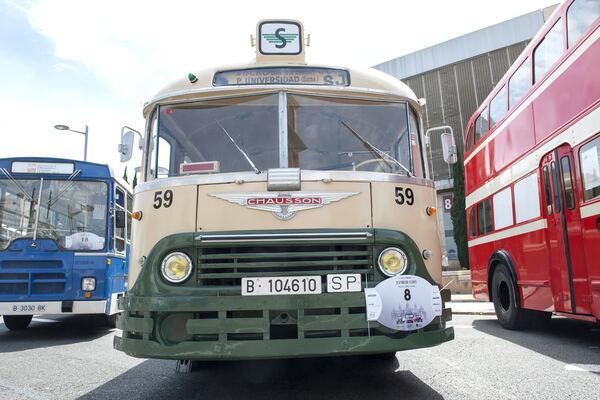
<point x="321" y="133"/>
<point x="72" y="213"/>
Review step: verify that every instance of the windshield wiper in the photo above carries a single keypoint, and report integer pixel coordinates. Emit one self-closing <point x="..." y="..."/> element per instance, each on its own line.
<point x="383" y="155"/>
<point x="238" y="148"/>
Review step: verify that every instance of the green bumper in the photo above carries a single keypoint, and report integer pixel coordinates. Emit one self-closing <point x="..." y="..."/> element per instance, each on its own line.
<point x="149" y="323"/>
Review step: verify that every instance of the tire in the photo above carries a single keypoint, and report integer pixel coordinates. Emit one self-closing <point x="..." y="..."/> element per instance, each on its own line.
<point x="17" y="322"/>
<point x="509" y="315"/>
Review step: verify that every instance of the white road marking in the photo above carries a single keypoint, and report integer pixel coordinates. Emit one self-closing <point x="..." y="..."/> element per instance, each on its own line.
<point x="43" y="320"/>
<point x="583" y="368"/>
<point x="462" y="326"/>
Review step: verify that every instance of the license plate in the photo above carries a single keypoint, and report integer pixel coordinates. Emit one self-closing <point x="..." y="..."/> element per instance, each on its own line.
<point x="281" y="285"/>
<point x="29" y="308"/>
<point x="337" y="283"/>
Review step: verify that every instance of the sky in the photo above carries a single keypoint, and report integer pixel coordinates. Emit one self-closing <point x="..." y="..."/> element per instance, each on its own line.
<point x="95" y="63"/>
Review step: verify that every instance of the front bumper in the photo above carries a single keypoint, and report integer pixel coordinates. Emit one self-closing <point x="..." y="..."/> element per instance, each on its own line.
<point x="146" y="328"/>
<point x="52" y="307"/>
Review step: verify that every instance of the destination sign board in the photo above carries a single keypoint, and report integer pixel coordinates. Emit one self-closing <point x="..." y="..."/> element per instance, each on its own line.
<point x="34" y="167"/>
<point x="283" y="76"/>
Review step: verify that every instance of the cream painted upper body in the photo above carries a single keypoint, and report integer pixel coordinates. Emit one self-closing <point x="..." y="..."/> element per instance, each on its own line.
<point x="194" y="210"/>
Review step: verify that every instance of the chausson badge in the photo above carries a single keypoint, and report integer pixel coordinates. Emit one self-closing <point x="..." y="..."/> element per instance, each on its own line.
<point x="284" y="206"/>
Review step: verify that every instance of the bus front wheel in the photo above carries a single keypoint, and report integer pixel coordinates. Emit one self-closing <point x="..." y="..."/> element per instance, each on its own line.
<point x="504" y="296"/>
<point x="17" y="322"/>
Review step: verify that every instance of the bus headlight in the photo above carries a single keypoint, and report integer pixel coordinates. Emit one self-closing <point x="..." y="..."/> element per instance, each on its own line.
<point x="176" y="267"/>
<point x="392" y="261"/>
<point x="88" y="284"/>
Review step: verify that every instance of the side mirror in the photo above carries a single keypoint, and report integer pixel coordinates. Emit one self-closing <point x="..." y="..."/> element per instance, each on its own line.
<point x="126" y="145"/>
<point x="449" y="148"/>
<point x="120" y="220"/>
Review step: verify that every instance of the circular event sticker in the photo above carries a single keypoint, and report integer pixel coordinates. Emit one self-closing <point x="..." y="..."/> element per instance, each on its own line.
<point x="403" y="303"/>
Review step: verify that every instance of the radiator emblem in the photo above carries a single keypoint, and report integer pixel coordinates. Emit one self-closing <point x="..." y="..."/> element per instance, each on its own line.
<point x="283" y="206"/>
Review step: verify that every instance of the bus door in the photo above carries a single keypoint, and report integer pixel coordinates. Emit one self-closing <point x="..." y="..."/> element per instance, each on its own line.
<point x="568" y="272"/>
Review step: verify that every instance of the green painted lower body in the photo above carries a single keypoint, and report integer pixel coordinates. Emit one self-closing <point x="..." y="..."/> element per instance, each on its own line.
<point x="236" y="327"/>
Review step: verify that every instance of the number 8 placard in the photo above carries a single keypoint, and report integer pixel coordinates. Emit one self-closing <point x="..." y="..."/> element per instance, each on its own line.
<point x="408" y="302"/>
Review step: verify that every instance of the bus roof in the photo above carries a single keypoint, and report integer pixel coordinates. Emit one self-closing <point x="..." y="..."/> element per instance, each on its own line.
<point x="88" y="169"/>
<point x="363" y="82"/>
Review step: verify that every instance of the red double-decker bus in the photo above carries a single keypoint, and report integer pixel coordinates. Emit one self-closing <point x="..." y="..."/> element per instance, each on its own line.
<point x="532" y="177"/>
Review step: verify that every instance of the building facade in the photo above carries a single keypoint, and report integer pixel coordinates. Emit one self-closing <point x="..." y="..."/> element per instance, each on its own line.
<point x="455" y="77"/>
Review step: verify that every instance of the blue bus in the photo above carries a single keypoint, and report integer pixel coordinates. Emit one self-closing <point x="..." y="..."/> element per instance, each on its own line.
<point x="64" y="239"/>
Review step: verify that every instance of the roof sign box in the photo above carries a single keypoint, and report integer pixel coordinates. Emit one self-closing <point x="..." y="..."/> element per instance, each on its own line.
<point x="280" y="37"/>
<point x="283" y="76"/>
<point x="34" y="167"/>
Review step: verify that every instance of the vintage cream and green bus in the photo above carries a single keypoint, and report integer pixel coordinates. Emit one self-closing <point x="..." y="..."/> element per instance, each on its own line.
<point x="285" y="210"/>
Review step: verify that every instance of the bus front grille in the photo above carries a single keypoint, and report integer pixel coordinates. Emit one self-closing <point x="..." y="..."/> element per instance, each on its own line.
<point x="225" y="266"/>
<point x="33" y="283"/>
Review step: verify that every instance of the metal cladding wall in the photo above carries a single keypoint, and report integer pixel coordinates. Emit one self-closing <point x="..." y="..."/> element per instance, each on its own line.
<point x="455" y="91"/>
<point x="455" y="77"/>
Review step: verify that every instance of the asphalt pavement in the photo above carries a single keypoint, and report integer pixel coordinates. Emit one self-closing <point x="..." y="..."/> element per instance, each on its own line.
<point x="72" y="357"/>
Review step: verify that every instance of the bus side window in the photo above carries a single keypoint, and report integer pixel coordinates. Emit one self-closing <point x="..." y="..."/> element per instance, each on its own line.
<point x="472" y="222"/>
<point x="498" y="107"/>
<point x="519" y="83"/>
<point x="556" y="187"/>
<point x="481" y="125"/>
<point x="580" y="16"/>
<point x="589" y="161"/>
<point x="484" y="217"/>
<point x="565" y="166"/>
<point x="547" y="190"/>
<point x="470" y="138"/>
<point x="119" y="232"/>
<point x="548" y="51"/>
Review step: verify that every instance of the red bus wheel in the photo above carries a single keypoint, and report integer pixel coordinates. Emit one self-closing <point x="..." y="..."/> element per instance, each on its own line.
<point x="509" y="314"/>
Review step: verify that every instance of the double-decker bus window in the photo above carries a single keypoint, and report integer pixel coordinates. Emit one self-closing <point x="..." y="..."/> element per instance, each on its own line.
<point x="556" y="187"/>
<point x="519" y="83"/>
<point x="548" y="51"/>
<point x="484" y="217"/>
<point x="547" y="190"/>
<point x="503" y="210"/>
<point x="472" y="222"/>
<point x="498" y="107"/>
<point x="589" y="161"/>
<point x="527" y="198"/>
<point x="481" y="125"/>
<point x="470" y="139"/>
<point x="565" y="166"/>
<point x="580" y="16"/>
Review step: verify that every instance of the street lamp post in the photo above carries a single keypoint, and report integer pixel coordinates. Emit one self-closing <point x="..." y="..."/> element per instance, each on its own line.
<point x="84" y="133"/>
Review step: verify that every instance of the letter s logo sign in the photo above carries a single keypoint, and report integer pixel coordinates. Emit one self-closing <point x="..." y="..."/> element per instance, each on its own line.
<point x="278" y="36"/>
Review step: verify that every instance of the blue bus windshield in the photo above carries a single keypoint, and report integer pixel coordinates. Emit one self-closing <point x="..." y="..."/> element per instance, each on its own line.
<point x="72" y="213"/>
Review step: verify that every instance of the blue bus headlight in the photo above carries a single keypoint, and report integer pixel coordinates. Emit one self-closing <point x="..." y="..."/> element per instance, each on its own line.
<point x="176" y="267"/>
<point x="88" y="284"/>
<point x="392" y="261"/>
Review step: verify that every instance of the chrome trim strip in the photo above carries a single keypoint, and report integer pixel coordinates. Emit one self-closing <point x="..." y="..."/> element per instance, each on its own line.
<point x="100" y="254"/>
<point x="307" y="176"/>
<point x="262" y="237"/>
<point x="283" y="131"/>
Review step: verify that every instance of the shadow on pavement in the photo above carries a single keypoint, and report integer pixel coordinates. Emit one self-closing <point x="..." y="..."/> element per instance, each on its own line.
<point x="333" y="378"/>
<point x="566" y="340"/>
<point x="62" y="330"/>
